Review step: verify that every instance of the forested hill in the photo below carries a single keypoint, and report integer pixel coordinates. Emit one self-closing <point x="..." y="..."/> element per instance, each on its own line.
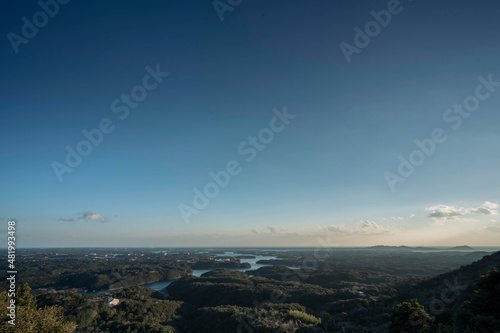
<point x="467" y="274"/>
<point x="463" y="278"/>
<point x="466" y="299"/>
<point x="342" y="294"/>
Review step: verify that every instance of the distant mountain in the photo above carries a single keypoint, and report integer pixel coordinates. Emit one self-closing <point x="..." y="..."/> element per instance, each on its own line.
<point x="392" y="248"/>
<point x="421" y="248"/>
<point x="463" y="247"/>
<point x="403" y="247"/>
<point x="426" y="248"/>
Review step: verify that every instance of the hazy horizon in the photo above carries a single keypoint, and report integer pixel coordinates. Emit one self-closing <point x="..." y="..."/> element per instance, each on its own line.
<point x="479" y="247"/>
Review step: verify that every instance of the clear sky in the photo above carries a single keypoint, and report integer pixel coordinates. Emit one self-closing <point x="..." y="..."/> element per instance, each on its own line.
<point x="315" y="176"/>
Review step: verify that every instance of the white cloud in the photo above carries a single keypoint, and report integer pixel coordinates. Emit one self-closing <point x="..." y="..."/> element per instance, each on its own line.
<point x="488" y="208"/>
<point x="340" y="229"/>
<point x="445" y="213"/>
<point x="369" y="225"/>
<point x="86" y="216"/>
<point x="490" y="205"/>
<point x="493" y="229"/>
<point x="363" y="227"/>
<point x="481" y="210"/>
<point x="276" y="229"/>
<point x="92" y="216"/>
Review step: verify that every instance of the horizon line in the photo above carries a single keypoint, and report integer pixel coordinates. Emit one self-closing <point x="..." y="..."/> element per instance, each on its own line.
<point x="251" y="247"/>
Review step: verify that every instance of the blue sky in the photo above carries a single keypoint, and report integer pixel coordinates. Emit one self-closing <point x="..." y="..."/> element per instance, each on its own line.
<point x="323" y="175"/>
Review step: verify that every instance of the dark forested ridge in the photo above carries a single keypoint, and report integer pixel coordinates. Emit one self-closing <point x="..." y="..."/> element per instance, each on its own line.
<point x="343" y="290"/>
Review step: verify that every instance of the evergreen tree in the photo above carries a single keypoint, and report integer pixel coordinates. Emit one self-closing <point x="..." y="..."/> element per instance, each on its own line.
<point x="482" y="312"/>
<point x="28" y="318"/>
<point x="410" y="317"/>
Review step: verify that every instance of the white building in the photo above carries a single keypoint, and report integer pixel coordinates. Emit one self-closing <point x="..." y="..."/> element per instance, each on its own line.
<point x="113" y="301"/>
